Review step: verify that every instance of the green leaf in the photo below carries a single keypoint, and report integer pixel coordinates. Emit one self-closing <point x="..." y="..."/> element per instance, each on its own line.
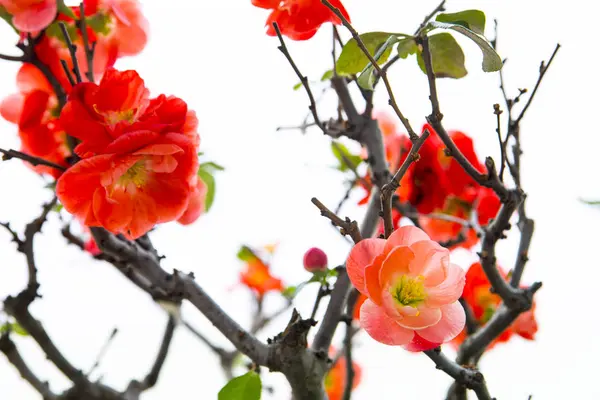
<point x="471" y="19"/>
<point x="344" y="156"/>
<point x="64" y="9"/>
<point x="54" y="31"/>
<point x="209" y="180"/>
<point x="58" y="208"/>
<point x="491" y="60"/>
<point x="366" y="79"/>
<point x="327" y="75"/>
<point x="289" y="292"/>
<point x="297" y="85"/>
<point x="590" y="202"/>
<point x="406" y="47"/>
<point x="13" y="327"/>
<point x="99" y="22"/>
<point x="352" y="60"/>
<point x="447" y="57"/>
<point x="244" y="387"/>
<point x="245" y="253"/>
<point x="211" y="165"/>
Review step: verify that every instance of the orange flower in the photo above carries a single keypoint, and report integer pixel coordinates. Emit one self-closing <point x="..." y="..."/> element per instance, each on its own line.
<point x="139" y="165"/>
<point x="359" y="302"/>
<point x="299" y="19"/>
<point x="33" y="110"/>
<point x="335" y="380"/>
<point x="30" y="15"/>
<point x="256" y="274"/>
<point x="484" y="303"/>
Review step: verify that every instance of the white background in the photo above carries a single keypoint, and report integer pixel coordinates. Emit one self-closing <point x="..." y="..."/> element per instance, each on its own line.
<point x="216" y="56"/>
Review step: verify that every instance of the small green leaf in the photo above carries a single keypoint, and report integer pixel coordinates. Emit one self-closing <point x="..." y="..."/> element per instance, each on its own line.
<point x="289" y="292"/>
<point x="99" y="22"/>
<point x="327" y="75"/>
<point x="209" y="180"/>
<point x="491" y="60"/>
<point x="64" y="9"/>
<point x="471" y="19"/>
<point x="58" y="208"/>
<point x="447" y="57"/>
<point x="7" y="17"/>
<point x="366" y="79"/>
<point x="244" y="387"/>
<point x="211" y="165"/>
<point x="54" y="31"/>
<point x="332" y="272"/>
<point x="245" y="253"/>
<point x="352" y="60"/>
<point x="13" y="327"/>
<point x="297" y="85"/>
<point x="406" y="47"/>
<point x="344" y="157"/>
<point x="590" y="202"/>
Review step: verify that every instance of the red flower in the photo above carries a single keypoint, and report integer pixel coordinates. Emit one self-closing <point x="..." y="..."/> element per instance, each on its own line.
<point x="335" y="380"/>
<point x="299" y="19"/>
<point x="484" y="303"/>
<point x="33" y="110"/>
<point x="139" y="165"/>
<point x="30" y="15"/>
<point x="196" y="206"/>
<point x="257" y="276"/>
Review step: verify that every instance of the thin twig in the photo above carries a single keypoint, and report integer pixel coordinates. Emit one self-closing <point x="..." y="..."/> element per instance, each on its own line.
<point x="303" y="79"/>
<point x="438" y="9"/>
<point x="380" y="71"/>
<point x="389" y="189"/>
<point x="347" y="227"/>
<point x="103" y="351"/>
<point x="35" y="161"/>
<point x="497" y="112"/>
<point x="72" y="51"/>
<point x="88" y="49"/>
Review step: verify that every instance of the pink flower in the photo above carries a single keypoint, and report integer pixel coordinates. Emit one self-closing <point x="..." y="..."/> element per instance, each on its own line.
<point x="412" y="289"/>
<point x="31" y="15"/>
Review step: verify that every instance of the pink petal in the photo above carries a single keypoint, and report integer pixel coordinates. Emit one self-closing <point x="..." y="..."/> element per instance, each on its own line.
<point x="449" y="290"/>
<point x="361" y="255"/>
<point x="11" y="107"/>
<point x="451" y="324"/>
<point x="396" y="263"/>
<point x="427" y="317"/>
<point x="35" y="18"/>
<point x="431" y="261"/>
<point x="160" y="149"/>
<point x="381" y="328"/>
<point x="404" y="236"/>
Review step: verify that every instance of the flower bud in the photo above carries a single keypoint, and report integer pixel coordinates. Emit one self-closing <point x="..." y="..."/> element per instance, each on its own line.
<point x="315" y="260"/>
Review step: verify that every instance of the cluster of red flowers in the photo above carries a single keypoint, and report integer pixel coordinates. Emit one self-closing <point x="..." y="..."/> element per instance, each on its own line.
<point x="116" y="28"/>
<point x="483" y="303"/>
<point x="139" y="159"/>
<point x="299" y="19"/>
<point x="256" y="274"/>
<point x="437" y="184"/>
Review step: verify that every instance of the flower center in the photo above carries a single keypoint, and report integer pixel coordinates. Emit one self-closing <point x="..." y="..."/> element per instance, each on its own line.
<point x="136" y="175"/>
<point x="409" y="291"/>
<point x="112" y="118"/>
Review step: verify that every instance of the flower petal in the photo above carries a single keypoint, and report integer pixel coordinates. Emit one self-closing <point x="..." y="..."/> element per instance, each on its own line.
<point x="431" y="261"/>
<point x="36" y="17"/>
<point x="381" y="328"/>
<point x="450" y="325"/>
<point x="420" y="344"/>
<point x="449" y="290"/>
<point x="361" y="255"/>
<point x="425" y="318"/>
<point x="404" y="236"/>
<point x="396" y="262"/>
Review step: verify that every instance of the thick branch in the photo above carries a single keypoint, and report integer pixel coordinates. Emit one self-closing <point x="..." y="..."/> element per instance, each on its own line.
<point x="470" y="378"/>
<point x="14" y="357"/>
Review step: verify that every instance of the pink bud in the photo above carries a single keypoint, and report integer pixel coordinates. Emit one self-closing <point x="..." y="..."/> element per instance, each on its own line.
<point x="315" y="260"/>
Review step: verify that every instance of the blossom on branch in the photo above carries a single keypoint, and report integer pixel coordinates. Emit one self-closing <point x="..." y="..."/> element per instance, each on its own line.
<point x="30" y="16"/>
<point x="34" y="111"/>
<point x="412" y="289"/>
<point x="483" y="303"/>
<point x="256" y="274"/>
<point x="139" y="156"/>
<point x="335" y="380"/>
<point x="299" y="19"/>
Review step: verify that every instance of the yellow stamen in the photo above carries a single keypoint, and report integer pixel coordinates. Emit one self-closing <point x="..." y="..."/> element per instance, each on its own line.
<point x="409" y="291"/>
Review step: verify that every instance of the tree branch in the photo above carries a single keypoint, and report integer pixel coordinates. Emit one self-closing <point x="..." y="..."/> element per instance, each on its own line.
<point x="470" y="378"/>
<point x="382" y="73"/>
<point x="14" y="357"/>
<point x="35" y="161"/>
